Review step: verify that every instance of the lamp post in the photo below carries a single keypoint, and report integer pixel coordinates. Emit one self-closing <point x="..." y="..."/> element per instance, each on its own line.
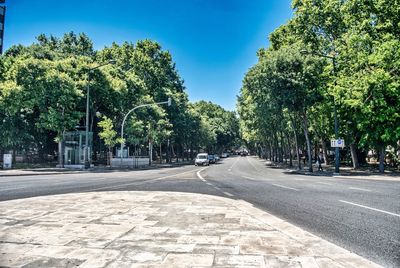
<point x="86" y="152"/>
<point x="336" y="122"/>
<point x="126" y="116"/>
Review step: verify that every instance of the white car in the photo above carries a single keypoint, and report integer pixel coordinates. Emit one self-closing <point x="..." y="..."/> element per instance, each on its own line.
<point x="202" y="159"/>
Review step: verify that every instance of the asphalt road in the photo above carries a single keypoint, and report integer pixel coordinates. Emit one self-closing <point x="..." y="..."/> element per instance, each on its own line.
<point x="361" y="215"/>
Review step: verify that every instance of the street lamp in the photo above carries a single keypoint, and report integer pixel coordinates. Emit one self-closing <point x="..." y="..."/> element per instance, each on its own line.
<point x="168" y="102"/>
<point x="86" y="152"/>
<point x="333" y="58"/>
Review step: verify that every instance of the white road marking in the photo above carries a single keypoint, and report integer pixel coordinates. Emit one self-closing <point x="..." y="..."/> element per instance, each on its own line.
<point x="250" y="178"/>
<point x="299" y="179"/>
<point x="140" y="183"/>
<point x="199" y="175"/>
<point x="50" y="184"/>
<point x="286" y="187"/>
<point x="374" y="209"/>
<point x="252" y="164"/>
<point x="230" y="169"/>
<point x="254" y="179"/>
<point x="360" y="189"/>
<point x="210" y="184"/>
<point x="324" y="183"/>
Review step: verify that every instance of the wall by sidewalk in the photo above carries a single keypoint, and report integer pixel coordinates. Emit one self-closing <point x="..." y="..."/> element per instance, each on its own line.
<point x="131" y="162"/>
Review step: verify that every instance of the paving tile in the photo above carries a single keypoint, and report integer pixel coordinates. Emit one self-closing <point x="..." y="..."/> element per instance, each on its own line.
<point x="156" y="229"/>
<point x="188" y="260"/>
<point x="242" y="261"/>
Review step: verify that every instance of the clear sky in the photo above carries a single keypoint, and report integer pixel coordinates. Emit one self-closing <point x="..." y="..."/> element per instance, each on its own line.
<point x="213" y="42"/>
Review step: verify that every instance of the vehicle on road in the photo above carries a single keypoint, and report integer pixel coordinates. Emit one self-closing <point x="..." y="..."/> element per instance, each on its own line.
<point x="211" y="159"/>
<point x="243" y="153"/>
<point x="202" y="159"/>
<point x="216" y="158"/>
<point x="224" y="155"/>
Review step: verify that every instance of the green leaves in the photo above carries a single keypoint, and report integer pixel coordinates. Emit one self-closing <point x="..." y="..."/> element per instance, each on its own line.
<point x="362" y="37"/>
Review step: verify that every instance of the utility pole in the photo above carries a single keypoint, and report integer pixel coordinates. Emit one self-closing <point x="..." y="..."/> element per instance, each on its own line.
<point x="86" y="152"/>
<point x="2" y="20"/>
<point x="168" y="102"/>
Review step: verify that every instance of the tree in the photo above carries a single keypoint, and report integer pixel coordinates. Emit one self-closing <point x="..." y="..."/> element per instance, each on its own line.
<point x="108" y="135"/>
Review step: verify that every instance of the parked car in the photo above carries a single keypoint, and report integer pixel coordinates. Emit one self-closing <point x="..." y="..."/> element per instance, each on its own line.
<point x="202" y="159"/>
<point x="211" y="159"/>
<point x="224" y="155"/>
<point x="216" y="158"/>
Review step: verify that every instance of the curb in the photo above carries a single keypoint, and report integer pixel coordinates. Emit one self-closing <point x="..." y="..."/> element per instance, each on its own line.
<point x="92" y="170"/>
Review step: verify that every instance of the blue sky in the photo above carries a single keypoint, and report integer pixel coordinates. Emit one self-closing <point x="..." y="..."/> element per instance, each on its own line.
<point x="213" y="42"/>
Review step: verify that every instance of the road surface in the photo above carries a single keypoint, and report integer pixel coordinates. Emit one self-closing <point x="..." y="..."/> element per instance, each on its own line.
<point x="361" y="215"/>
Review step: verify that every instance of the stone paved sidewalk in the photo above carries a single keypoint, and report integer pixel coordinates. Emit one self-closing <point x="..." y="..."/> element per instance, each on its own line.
<point x="156" y="229"/>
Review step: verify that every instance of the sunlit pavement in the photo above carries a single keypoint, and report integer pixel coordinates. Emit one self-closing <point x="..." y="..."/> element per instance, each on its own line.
<point x="156" y="229"/>
<point x="358" y="214"/>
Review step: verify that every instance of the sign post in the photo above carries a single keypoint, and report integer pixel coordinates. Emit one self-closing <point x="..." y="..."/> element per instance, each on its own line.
<point x="7" y="161"/>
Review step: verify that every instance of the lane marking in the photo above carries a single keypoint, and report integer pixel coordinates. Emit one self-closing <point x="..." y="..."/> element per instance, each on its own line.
<point x="286" y="187"/>
<point x="140" y="183"/>
<point x="254" y="179"/>
<point x="250" y="178"/>
<point x="52" y="184"/>
<point x="230" y="169"/>
<point x="374" y="209"/>
<point x="324" y="183"/>
<point x="360" y="189"/>
<point x="210" y="184"/>
<point x="252" y="164"/>
<point x="199" y="175"/>
<point x="299" y="179"/>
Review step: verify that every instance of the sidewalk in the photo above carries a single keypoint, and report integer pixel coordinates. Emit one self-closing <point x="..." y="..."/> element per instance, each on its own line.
<point x="156" y="229"/>
<point x="329" y="171"/>
<point x="53" y="171"/>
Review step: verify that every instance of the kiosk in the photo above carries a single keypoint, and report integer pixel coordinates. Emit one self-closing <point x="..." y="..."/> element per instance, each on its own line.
<point x="74" y="149"/>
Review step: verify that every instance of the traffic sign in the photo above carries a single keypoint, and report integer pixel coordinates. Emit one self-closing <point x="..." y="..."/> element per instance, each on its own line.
<point x="7" y="161"/>
<point x="337" y="143"/>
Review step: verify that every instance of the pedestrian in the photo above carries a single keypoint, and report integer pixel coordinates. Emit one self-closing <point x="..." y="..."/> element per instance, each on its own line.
<point x="319" y="162"/>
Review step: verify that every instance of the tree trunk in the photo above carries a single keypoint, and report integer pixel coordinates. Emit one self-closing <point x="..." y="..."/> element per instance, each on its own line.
<point x="14" y="156"/>
<point x="150" y="152"/>
<point x="296" y="139"/>
<point x="289" y="150"/>
<point x="281" y="151"/>
<point x="382" y="159"/>
<point x="308" y="141"/>
<point x="109" y="156"/>
<point x="60" y="154"/>
<point x="324" y="151"/>
<point x="276" y="148"/>
<point x="172" y="151"/>
<point x="160" y="153"/>
<point x="354" y="156"/>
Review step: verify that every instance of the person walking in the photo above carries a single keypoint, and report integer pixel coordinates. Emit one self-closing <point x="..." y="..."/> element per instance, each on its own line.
<point x="319" y="162"/>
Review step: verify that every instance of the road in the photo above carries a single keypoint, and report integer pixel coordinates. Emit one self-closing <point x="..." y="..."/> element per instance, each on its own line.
<point x="361" y="215"/>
